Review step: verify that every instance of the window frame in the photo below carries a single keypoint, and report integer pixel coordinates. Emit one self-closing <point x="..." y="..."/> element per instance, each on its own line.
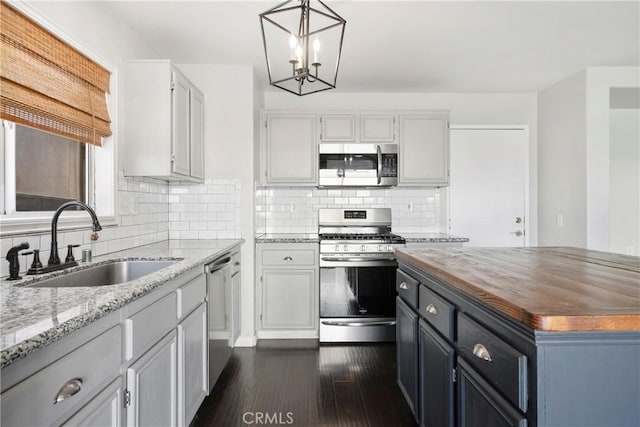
<point x="22" y="223"/>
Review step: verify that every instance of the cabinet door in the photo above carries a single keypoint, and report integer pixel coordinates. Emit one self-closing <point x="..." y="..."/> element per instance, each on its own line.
<point x="291" y="149"/>
<point x="437" y="358"/>
<point x="377" y="128"/>
<point x="180" y="156"/>
<point x="193" y="363"/>
<point x="103" y="410"/>
<point x="338" y="128"/>
<point x="196" y="134"/>
<point x="423" y="149"/>
<point x="289" y="299"/>
<point x="152" y="384"/>
<point x="407" y="353"/>
<point x="479" y="405"/>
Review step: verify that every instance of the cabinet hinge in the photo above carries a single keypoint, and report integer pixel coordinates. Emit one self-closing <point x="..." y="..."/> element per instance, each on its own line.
<point x="265" y="123"/>
<point x="173" y="86"/>
<point x="454" y="375"/>
<point x="127" y="398"/>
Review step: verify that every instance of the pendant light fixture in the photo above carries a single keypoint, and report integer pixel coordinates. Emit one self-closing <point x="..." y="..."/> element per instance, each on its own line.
<point x="302" y="45"/>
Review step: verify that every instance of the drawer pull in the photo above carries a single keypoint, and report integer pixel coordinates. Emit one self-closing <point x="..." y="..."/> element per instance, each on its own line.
<point x="432" y="309"/>
<point x="287" y="258"/>
<point x="69" y="388"/>
<point x="481" y="352"/>
<point x="403" y="285"/>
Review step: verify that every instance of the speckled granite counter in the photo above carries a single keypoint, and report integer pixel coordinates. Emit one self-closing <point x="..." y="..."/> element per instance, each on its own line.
<point x="287" y="238"/>
<point x="32" y="318"/>
<point x="432" y="238"/>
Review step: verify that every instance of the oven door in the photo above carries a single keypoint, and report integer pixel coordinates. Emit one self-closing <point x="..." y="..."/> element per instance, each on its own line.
<point x="357" y="299"/>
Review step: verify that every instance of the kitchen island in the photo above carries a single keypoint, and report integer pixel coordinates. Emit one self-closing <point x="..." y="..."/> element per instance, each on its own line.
<point x="519" y="336"/>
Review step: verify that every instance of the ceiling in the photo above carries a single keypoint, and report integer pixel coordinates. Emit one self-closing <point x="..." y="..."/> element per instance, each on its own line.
<point x="413" y="46"/>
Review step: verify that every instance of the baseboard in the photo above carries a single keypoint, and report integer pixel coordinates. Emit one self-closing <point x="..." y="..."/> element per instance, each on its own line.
<point x="250" y="341"/>
<point x="270" y="335"/>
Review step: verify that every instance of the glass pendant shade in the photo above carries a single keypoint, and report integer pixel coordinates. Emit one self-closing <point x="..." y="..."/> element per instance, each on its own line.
<point x="302" y="45"/>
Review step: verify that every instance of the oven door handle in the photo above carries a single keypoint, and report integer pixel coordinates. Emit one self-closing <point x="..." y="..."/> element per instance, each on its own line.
<point x="356" y="259"/>
<point x="359" y="324"/>
<point x="379" y="152"/>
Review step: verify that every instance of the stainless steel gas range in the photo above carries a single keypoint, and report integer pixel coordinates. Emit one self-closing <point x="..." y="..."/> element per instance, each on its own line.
<point x="357" y="275"/>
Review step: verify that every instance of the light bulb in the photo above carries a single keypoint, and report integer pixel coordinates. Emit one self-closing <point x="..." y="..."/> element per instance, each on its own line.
<point x="298" y="51"/>
<point x="293" y="41"/>
<point x="316" y="51"/>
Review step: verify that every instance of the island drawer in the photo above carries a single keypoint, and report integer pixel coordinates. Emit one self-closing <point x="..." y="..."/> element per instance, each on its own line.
<point x="500" y="364"/>
<point x="439" y="312"/>
<point x="288" y="257"/>
<point x="71" y="380"/>
<point x="147" y="326"/>
<point x="191" y="295"/>
<point x="407" y="288"/>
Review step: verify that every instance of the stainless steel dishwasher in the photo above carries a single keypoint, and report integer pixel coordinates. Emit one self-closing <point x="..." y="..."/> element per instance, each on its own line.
<point x="223" y="283"/>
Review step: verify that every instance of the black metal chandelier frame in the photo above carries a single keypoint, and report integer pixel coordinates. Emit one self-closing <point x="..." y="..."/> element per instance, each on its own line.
<point x="301" y="71"/>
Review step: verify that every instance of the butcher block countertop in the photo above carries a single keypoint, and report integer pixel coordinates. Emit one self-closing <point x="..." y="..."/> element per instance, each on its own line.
<point x="547" y="288"/>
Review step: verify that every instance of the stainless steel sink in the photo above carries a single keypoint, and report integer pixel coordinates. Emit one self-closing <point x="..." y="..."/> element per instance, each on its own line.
<point x="105" y="274"/>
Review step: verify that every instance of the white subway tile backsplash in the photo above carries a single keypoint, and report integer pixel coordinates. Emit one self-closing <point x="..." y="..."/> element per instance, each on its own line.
<point x="413" y="209"/>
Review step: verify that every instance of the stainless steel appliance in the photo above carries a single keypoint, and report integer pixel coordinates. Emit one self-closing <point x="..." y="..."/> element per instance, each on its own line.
<point x="358" y="165"/>
<point x="357" y="275"/>
<point x="223" y="283"/>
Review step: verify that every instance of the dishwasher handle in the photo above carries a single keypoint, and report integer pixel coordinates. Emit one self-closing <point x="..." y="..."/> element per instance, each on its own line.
<point x="218" y="265"/>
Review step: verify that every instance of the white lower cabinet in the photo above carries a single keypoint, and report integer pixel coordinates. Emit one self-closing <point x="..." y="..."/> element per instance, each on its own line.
<point x="152" y="385"/>
<point x="104" y="410"/>
<point x="288" y="291"/>
<point x="193" y="361"/>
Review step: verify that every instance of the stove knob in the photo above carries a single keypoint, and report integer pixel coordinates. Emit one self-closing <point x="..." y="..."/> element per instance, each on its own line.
<point x="337" y="248"/>
<point x="364" y="248"/>
<point x="346" y="248"/>
<point x="380" y="248"/>
<point x="389" y="248"/>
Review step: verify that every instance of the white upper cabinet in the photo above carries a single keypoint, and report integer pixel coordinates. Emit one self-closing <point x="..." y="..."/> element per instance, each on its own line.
<point x="423" y="149"/>
<point x="338" y="128"/>
<point x="163" y="122"/>
<point x="290" y="149"/>
<point x="377" y="128"/>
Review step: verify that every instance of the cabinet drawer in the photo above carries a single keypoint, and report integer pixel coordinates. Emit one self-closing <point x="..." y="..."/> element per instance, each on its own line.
<point x="437" y="311"/>
<point x="407" y="288"/>
<point x="191" y="295"/>
<point x="499" y="363"/>
<point x="31" y="402"/>
<point x="285" y="257"/>
<point x="149" y="325"/>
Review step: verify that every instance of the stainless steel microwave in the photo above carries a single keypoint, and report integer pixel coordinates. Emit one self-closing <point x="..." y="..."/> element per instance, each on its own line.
<point x="358" y="165"/>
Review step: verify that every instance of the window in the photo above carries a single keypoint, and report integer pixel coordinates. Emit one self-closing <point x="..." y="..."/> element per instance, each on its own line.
<point x="49" y="170"/>
<point x="53" y="99"/>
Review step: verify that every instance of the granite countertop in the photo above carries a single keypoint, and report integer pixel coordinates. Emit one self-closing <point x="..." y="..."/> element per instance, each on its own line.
<point x="287" y="238"/>
<point x="546" y="289"/>
<point x="433" y="238"/>
<point x="32" y="318"/>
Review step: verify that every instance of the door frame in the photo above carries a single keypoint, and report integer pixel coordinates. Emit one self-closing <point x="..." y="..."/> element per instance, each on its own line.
<point x="530" y="216"/>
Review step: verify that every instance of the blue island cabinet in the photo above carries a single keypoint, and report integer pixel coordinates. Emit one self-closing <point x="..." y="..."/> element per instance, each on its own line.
<point x="475" y="366"/>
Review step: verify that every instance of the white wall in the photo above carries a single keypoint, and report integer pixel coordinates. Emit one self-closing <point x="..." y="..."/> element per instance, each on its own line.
<point x="574" y="159"/>
<point x="229" y="92"/>
<point x="562" y="163"/>
<point x="465" y="109"/>
<point x="600" y="80"/>
<point x="624" y="181"/>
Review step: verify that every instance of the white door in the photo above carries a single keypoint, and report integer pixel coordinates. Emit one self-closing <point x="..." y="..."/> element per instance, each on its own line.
<point x="487" y="193"/>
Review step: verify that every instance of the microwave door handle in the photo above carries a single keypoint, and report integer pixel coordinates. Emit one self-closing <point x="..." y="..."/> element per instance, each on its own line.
<point x="379" y="151"/>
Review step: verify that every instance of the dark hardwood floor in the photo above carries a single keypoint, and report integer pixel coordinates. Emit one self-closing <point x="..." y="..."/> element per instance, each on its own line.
<point x="300" y="383"/>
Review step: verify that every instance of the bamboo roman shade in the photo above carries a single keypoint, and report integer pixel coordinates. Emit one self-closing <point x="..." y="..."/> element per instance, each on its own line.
<point x="47" y="84"/>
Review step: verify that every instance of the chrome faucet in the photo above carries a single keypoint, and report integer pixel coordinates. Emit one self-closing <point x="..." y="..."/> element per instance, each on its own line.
<point x="54" y="259"/>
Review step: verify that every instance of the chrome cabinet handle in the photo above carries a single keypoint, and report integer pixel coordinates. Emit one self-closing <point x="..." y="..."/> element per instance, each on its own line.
<point x="68" y="389"/>
<point x="403" y="285"/>
<point x="432" y="309"/>
<point x="517" y="233"/>
<point x="287" y="258"/>
<point x="481" y="352"/>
